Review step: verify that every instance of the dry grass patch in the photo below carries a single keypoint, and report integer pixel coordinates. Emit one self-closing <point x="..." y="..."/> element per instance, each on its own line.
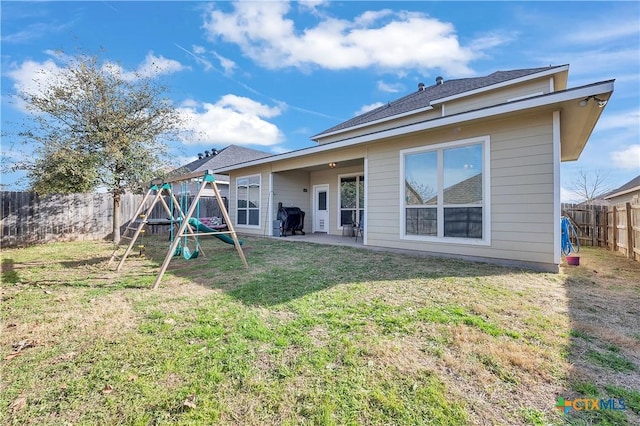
<point x="604" y="309"/>
<point x="364" y="338"/>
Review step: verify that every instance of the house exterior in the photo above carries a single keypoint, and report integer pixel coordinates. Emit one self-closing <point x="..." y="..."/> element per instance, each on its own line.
<point x="465" y="168"/>
<point x="215" y="159"/>
<point x="626" y="192"/>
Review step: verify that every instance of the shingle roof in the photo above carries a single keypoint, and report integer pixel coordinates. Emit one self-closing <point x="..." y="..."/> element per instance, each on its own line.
<point x="468" y="191"/>
<point x="423" y="98"/>
<point x="633" y="183"/>
<point x="228" y="156"/>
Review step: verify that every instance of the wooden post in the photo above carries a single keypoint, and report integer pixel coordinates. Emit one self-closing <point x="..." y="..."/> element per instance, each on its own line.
<point x="135" y="236"/>
<point x="135" y="216"/>
<point x="605" y="226"/>
<point x="630" y="253"/>
<point x="593" y="225"/>
<point x="614" y="228"/>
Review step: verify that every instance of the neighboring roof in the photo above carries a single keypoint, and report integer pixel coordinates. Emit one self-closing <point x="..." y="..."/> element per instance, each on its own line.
<point x="422" y="99"/>
<point x="632" y="185"/>
<point x="229" y="156"/>
<point x="468" y="191"/>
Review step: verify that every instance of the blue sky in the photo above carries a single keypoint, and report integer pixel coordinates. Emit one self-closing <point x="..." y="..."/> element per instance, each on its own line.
<point x="268" y="75"/>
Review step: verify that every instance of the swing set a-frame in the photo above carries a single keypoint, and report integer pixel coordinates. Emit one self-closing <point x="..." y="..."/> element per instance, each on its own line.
<point x="189" y="226"/>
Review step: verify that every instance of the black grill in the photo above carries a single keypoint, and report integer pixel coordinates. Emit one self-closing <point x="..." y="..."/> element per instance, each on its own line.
<point x="292" y="219"/>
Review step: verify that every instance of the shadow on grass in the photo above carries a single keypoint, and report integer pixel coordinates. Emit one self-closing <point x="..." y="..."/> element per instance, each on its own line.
<point x="604" y="347"/>
<point x="9" y="274"/>
<point x="282" y="271"/>
<point x="87" y="262"/>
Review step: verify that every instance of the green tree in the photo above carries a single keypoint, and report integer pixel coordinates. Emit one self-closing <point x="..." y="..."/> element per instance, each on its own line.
<point x="95" y="126"/>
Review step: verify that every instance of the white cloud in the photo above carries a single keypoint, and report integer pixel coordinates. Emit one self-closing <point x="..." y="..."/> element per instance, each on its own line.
<point x="384" y="39"/>
<point x="180" y="160"/>
<point x="35" y="31"/>
<point x="312" y="5"/>
<point x="152" y="66"/>
<point x="367" y="108"/>
<point x="198" y="50"/>
<point x="628" y="158"/>
<point x="569" y="196"/>
<point x="611" y="31"/>
<point x="197" y="55"/>
<point x="232" y="120"/>
<point x="390" y="87"/>
<point x="491" y="40"/>
<point x="33" y="77"/>
<point x="594" y="63"/>
<point x="227" y="64"/>
<point x="30" y="76"/>
<point x="624" y="120"/>
<point x="280" y="150"/>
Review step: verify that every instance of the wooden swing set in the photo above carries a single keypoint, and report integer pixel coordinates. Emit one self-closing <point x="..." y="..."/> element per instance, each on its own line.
<point x="189" y="227"/>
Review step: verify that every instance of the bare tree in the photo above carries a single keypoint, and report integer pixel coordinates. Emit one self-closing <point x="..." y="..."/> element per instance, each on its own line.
<point x="589" y="186"/>
<point x="95" y="126"/>
<point x="420" y="193"/>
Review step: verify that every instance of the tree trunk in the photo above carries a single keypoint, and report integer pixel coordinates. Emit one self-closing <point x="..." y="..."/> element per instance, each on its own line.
<point x="116" y="216"/>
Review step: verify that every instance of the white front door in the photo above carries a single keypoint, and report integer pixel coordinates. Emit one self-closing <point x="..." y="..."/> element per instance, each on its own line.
<point x="321" y="208"/>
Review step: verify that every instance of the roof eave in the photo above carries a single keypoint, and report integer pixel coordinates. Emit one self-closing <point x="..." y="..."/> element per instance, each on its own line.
<point x="566" y="97"/>
<point x="560" y="70"/>
<point x="372" y="123"/>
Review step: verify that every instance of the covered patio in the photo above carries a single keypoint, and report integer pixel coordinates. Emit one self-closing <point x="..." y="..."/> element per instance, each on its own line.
<point x="323" y="238"/>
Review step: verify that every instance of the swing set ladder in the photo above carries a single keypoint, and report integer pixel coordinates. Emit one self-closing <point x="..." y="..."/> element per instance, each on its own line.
<point x="138" y="229"/>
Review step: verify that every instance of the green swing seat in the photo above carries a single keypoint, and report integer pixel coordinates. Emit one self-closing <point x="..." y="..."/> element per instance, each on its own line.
<point x="183" y="249"/>
<point x="186" y="253"/>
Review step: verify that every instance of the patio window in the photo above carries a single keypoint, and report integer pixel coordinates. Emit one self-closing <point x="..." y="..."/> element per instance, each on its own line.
<point x="445" y="191"/>
<point x="351" y="199"/>
<point x="248" y="200"/>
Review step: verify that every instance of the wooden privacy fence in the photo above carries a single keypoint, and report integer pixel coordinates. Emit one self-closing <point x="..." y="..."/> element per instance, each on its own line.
<point x="28" y="218"/>
<point x="624" y="229"/>
<point x="616" y="227"/>
<point x="590" y="222"/>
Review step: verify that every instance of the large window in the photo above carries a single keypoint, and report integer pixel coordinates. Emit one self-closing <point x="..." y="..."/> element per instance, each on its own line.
<point x="445" y="191"/>
<point x="351" y="199"/>
<point x="248" y="200"/>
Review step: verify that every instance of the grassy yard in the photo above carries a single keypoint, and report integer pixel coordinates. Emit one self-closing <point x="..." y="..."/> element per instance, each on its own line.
<point x="312" y="334"/>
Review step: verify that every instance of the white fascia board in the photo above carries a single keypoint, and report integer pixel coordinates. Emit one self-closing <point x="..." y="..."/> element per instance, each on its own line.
<point x="502" y="84"/>
<point x="524" y="104"/>
<point x="557" y="207"/>
<point x="373" y="123"/>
